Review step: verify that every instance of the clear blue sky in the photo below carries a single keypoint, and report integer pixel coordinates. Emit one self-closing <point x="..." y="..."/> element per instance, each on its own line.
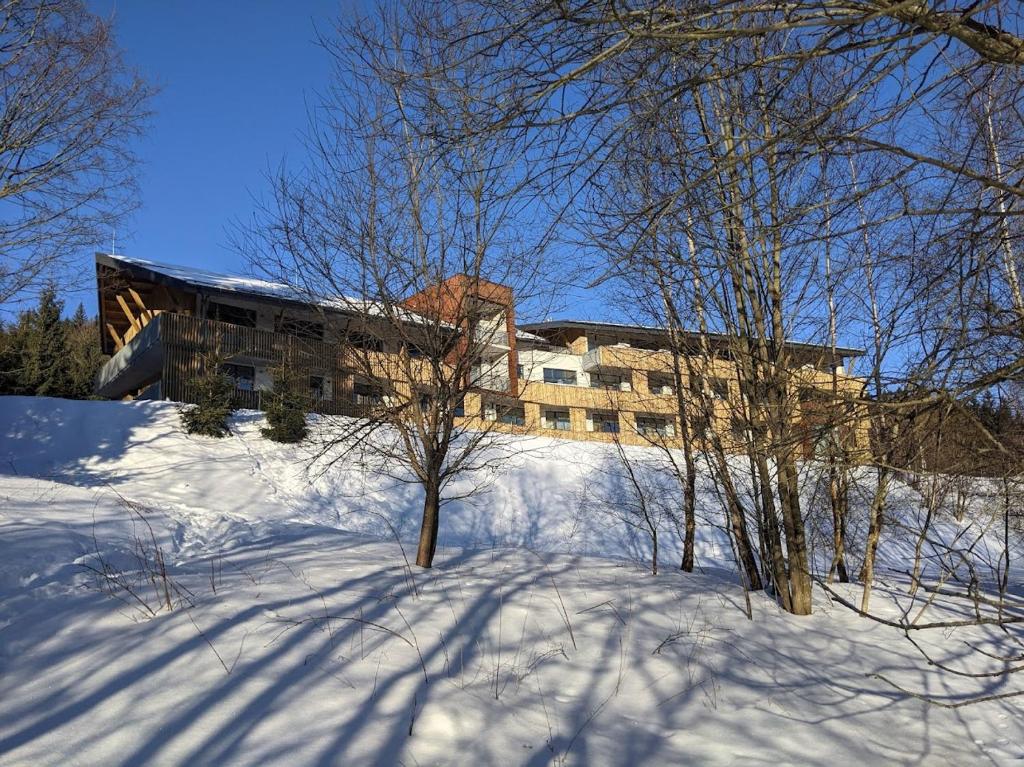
<point x="234" y="79"/>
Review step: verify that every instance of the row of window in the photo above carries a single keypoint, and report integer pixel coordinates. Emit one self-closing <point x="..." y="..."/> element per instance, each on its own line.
<point x="608" y="423"/>
<point x="657" y="383"/>
<point x="294" y="326"/>
<point x="244" y="379"/>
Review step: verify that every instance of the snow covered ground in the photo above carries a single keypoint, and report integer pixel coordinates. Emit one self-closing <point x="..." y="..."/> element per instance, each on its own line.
<point x="300" y="636"/>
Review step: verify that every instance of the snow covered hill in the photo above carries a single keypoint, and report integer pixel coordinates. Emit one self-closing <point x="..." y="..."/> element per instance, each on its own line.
<point x="300" y="636"/>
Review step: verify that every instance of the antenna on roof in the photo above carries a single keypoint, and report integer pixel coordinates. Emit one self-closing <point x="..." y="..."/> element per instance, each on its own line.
<point x="113" y="241"/>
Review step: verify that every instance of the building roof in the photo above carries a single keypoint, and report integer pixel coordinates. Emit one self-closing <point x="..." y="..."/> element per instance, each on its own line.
<point x="186" y="277"/>
<point x="613" y="327"/>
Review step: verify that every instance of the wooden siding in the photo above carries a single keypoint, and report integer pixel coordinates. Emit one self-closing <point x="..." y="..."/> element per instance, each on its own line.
<point x="191" y="343"/>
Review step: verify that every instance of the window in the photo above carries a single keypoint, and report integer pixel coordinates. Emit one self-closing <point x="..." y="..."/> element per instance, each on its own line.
<point x="605" y="381"/>
<point x="557" y="420"/>
<point x="367" y="394"/>
<point x="460" y="408"/>
<point x="515" y="416"/>
<point x="696" y="384"/>
<point x="317" y="387"/>
<point x="700" y="423"/>
<point x="413" y="350"/>
<point x="424" y="399"/>
<point x="301" y="328"/>
<point x="651" y="426"/>
<point x="519" y="371"/>
<point x="608" y="423"/>
<point x="365" y="341"/>
<point x="243" y="376"/>
<point x="234" y="315"/>
<point x="659" y="383"/>
<point x="556" y="376"/>
<point x="720" y="388"/>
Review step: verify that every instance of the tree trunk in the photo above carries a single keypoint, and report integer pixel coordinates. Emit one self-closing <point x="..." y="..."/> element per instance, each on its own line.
<point x="428" y="528"/>
<point x="867" y="572"/>
<point x="738" y="525"/>
<point x="796" y="541"/>
<point x="838" y="492"/>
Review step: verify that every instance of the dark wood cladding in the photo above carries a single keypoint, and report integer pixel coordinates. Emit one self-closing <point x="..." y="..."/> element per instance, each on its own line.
<point x="190" y="343"/>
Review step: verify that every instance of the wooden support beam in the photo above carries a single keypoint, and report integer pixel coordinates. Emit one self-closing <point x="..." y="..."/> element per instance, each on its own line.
<point x="144" y="314"/>
<point x="136" y="326"/>
<point x="118" y="343"/>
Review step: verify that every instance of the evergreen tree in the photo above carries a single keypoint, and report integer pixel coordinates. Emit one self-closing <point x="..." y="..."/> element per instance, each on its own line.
<point x="46" y="349"/>
<point x="285" y="410"/>
<point x="85" y="358"/>
<point x="214" y="393"/>
<point x="42" y="354"/>
<point x="10" y="359"/>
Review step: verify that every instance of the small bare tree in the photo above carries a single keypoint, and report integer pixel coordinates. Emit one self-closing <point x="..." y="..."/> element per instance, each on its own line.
<point x="423" y="251"/>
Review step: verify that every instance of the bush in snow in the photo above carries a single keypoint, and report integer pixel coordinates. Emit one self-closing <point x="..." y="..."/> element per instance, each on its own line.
<point x="214" y="392"/>
<point x="285" y="411"/>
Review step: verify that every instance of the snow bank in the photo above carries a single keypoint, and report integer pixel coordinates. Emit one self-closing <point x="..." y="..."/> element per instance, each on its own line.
<point x="301" y="638"/>
<point x="550" y="495"/>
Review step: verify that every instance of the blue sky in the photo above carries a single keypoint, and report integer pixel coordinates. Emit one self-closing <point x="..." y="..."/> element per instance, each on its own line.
<point x="235" y="78"/>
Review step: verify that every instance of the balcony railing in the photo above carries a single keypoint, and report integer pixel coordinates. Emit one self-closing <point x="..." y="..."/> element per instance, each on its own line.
<point x="236" y="342"/>
<point x="491" y="337"/>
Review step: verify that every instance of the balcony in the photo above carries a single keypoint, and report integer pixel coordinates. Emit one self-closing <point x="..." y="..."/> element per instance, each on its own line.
<point x="171" y="347"/>
<point x="136" y="363"/>
<point x="622" y="358"/>
<point x="493" y="339"/>
<point x="491" y="380"/>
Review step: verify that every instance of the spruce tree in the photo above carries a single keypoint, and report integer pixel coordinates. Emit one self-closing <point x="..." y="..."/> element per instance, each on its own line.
<point x="46" y="349"/>
<point x="85" y="358"/>
<point x="214" y="393"/>
<point x="11" y="347"/>
<point x="285" y="410"/>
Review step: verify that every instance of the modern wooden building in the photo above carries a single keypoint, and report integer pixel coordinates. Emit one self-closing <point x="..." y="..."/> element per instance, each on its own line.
<point x="570" y="379"/>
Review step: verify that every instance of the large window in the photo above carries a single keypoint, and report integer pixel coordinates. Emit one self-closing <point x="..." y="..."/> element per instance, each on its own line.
<point x="366" y="394"/>
<point x="234" y="315"/>
<point x="718" y="387"/>
<point x="606" y="381"/>
<point x="660" y="383"/>
<point x="300" y="328"/>
<point x="317" y="387"/>
<point x="364" y="341"/>
<point x="652" y="426"/>
<point x="607" y="423"/>
<point x="557" y="376"/>
<point x="557" y="420"/>
<point x="243" y="376"/>
<point x="515" y="416"/>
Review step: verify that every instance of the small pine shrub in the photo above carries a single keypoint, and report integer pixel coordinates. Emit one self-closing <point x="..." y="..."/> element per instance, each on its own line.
<point x="286" y="414"/>
<point x="214" y="395"/>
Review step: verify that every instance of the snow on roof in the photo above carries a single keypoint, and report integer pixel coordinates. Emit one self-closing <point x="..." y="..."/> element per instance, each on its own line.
<point x="254" y="286"/>
<point x="523" y="335"/>
<point x="629" y="328"/>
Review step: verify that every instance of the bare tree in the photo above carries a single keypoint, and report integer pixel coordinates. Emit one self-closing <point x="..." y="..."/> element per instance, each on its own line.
<point x="425" y="253"/>
<point x="69" y="110"/>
